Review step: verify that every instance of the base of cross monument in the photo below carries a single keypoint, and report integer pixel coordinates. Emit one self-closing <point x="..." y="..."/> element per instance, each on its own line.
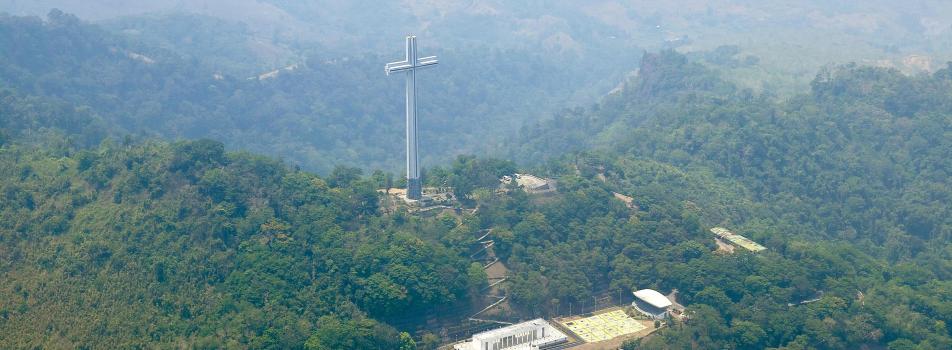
<point x="433" y="199"/>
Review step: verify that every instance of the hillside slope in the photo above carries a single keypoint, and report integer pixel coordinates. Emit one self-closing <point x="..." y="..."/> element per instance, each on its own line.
<point x="175" y="244"/>
<point x="855" y="172"/>
<point x="326" y="109"/>
<point x="863" y="156"/>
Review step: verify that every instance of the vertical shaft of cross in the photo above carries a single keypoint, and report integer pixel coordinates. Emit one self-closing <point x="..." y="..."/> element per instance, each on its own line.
<point x="410" y="66"/>
<point x="414" y="183"/>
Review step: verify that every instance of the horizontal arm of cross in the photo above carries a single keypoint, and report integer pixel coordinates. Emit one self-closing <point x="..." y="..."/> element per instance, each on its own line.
<point x="397" y="66"/>
<point x="402" y="66"/>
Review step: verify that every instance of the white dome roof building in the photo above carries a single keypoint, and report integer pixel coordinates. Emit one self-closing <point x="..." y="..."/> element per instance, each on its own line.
<point x="651" y="303"/>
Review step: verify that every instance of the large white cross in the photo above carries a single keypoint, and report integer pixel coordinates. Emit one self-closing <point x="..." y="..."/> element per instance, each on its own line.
<point x="410" y="66"/>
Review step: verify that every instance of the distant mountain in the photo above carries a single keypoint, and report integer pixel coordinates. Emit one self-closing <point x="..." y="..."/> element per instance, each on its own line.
<point x="229" y="47"/>
<point x="324" y="109"/>
<point x="791" y="40"/>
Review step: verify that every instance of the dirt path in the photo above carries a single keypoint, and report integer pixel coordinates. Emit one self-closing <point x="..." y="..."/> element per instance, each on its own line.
<point x="724" y="247"/>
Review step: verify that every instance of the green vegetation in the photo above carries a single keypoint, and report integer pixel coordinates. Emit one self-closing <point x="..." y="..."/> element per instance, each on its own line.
<point x="846" y="187"/>
<point x="468" y="174"/>
<point x="137" y="246"/>
<point x="862" y="158"/>
<point x="321" y="110"/>
<point x="231" y="48"/>
<point x="111" y="238"/>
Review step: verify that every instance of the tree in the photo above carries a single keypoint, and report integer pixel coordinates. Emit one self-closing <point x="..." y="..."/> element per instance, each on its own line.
<point x="476" y="276"/>
<point x="748" y="335"/>
<point x="379" y="179"/>
<point x="406" y="342"/>
<point x="429" y="342"/>
<point x="902" y="344"/>
<point x="381" y="296"/>
<point x="333" y="333"/>
<point x="714" y="297"/>
<point x="191" y="157"/>
<point x="344" y="176"/>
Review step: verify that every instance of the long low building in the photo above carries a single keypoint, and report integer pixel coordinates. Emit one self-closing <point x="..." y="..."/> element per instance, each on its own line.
<point x="530" y="335"/>
<point x="737" y="239"/>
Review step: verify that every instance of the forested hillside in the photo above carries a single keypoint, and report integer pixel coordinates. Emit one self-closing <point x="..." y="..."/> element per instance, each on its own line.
<point x="855" y="174"/>
<point x="139" y="245"/>
<point x="52" y="123"/>
<point x="329" y="108"/>
<point x="116" y="232"/>
<point x="588" y="243"/>
<point x="232" y="48"/>
<point x="169" y="244"/>
<point x="863" y="157"/>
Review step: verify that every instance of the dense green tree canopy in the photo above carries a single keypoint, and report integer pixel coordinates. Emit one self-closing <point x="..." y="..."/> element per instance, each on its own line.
<point x="844" y="185"/>
<point x="160" y="243"/>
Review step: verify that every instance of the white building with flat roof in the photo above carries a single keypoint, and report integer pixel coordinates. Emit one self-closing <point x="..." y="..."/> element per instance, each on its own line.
<point x="651" y="303"/>
<point x="529" y="335"/>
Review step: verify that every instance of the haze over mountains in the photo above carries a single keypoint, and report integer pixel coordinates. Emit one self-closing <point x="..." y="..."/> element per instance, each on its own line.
<point x="209" y="174"/>
<point x="814" y="31"/>
<point x="177" y="87"/>
<point x="580" y="49"/>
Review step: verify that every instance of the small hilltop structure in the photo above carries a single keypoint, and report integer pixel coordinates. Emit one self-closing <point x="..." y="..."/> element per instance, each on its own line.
<point x="736" y="239"/>
<point x="433" y="200"/>
<point x="530" y="183"/>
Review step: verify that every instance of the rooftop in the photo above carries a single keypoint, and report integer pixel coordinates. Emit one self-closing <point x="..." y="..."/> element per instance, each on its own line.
<point x="552" y="336"/>
<point x="531" y="183"/>
<point x="653" y="298"/>
<point x="511" y="329"/>
<point x="737" y="239"/>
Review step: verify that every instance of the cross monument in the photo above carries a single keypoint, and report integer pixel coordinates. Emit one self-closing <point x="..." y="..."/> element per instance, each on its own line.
<point x="410" y="66"/>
